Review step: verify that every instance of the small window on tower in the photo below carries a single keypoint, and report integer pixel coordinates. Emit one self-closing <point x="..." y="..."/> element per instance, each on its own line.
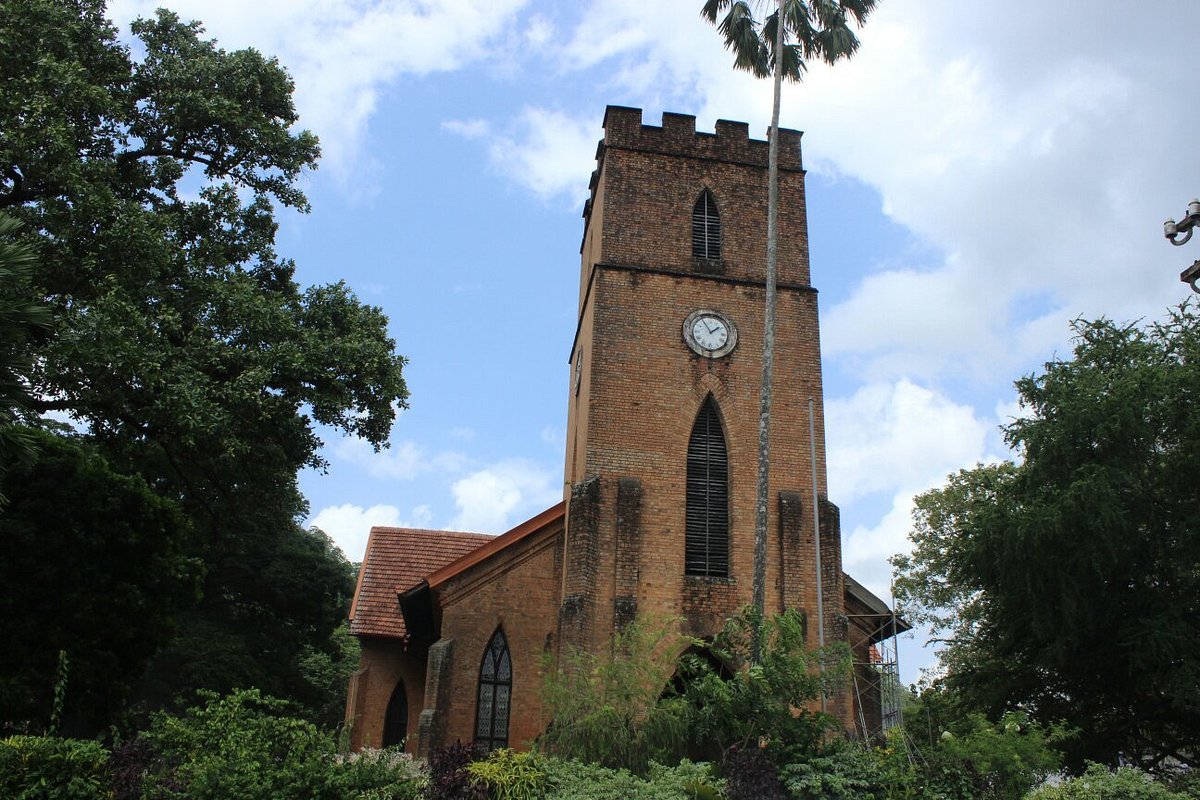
<point x="706" y="228"/>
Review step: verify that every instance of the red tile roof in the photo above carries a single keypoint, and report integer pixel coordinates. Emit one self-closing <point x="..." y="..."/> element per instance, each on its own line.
<point x="551" y="515"/>
<point x="398" y="559"/>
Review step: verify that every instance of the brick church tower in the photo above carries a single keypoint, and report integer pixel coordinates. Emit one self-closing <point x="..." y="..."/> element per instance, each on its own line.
<point x="660" y="469"/>
<point x="662" y="434"/>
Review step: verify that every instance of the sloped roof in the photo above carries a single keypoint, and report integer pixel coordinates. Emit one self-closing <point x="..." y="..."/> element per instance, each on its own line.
<point x="398" y="559"/>
<point x="530" y="526"/>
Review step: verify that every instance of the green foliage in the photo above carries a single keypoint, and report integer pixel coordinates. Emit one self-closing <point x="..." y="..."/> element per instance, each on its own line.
<point x="814" y="30"/>
<point x="575" y="780"/>
<point x="1017" y="564"/>
<point x="104" y="556"/>
<point x="449" y="778"/>
<point x="51" y="768"/>
<point x="328" y="671"/>
<point x="388" y="774"/>
<point x="1100" y="783"/>
<point x="509" y="775"/>
<point x="609" y="709"/>
<point x="240" y="747"/>
<point x="767" y="702"/>
<point x="183" y="347"/>
<point x="22" y="320"/>
<point x="847" y="772"/>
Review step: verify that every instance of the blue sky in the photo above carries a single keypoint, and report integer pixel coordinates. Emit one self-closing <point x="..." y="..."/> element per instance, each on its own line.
<point x="979" y="175"/>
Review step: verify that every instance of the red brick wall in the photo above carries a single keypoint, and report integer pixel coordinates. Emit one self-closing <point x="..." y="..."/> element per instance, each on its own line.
<point x="384" y="662"/>
<point x="517" y="590"/>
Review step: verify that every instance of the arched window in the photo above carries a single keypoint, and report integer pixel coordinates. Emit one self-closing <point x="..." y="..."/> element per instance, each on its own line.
<point x="395" y="721"/>
<point x="495" y="692"/>
<point x="706" y="227"/>
<point x="706" y="549"/>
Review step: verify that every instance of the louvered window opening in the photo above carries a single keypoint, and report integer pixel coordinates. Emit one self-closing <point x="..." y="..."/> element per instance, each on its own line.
<point x="706" y="550"/>
<point x="706" y="227"/>
<point x="495" y="694"/>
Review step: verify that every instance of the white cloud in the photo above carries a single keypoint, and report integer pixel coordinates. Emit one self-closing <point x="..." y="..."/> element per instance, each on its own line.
<point x="497" y="497"/>
<point x="402" y="461"/>
<point x="546" y="151"/>
<point x="898" y="437"/>
<point x="350" y="525"/>
<point x="343" y="53"/>
<point x="468" y="128"/>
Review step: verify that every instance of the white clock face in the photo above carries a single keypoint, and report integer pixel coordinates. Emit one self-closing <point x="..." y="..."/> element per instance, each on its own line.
<point x="710" y="332"/>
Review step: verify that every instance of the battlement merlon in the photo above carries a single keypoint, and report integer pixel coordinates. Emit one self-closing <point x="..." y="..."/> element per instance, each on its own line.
<point x="623" y="128"/>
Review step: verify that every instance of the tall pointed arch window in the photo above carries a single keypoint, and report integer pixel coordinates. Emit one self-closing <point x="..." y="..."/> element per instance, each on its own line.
<point x="706" y="546"/>
<point x="495" y="694"/>
<point x="706" y="227"/>
<point x="395" y="721"/>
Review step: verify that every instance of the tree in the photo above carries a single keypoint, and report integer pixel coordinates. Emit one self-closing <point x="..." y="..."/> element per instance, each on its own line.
<point x="92" y="563"/>
<point x="817" y="29"/>
<point x="22" y="320"/>
<point x="183" y="347"/>
<point x="1067" y="584"/>
<point x="742" y="703"/>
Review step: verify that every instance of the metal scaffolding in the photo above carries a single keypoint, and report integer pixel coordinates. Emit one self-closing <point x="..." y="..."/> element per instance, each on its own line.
<point x="873" y="629"/>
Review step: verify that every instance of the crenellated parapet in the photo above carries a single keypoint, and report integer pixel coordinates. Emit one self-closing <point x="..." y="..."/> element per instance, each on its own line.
<point x="677" y="136"/>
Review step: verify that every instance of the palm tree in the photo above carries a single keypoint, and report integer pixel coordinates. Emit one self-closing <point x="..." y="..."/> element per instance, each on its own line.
<point x="811" y="29"/>
<point x="21" y="318"/>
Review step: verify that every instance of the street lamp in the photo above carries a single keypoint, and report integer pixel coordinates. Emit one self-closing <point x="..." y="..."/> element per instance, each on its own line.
<point x="1179" y="233"/>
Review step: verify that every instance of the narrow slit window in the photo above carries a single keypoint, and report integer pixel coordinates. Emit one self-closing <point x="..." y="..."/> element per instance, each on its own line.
<point x="706" y="546"/>
<point x="706" y="227"/>
<point x="495" y="694"/>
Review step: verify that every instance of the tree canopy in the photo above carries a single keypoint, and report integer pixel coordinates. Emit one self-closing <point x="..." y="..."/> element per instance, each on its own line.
<point x="1068" y="584"/>
<point x="183" y="349"/>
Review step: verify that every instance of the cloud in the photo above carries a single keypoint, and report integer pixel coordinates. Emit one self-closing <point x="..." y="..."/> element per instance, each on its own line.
<point x="546" y="151"/>
<point x="349" y="525"/>
<point x="344" y="53"/>
<point x="493" y="499"/>
<point x="899" y="436"/>
<point x="402" y="461"/>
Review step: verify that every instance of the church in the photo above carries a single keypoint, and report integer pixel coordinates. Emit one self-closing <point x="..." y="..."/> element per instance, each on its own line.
<point x="660" y="468"/>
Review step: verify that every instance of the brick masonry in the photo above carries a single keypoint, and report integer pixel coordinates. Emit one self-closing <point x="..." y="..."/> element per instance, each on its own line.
<point x="616" y="547"/>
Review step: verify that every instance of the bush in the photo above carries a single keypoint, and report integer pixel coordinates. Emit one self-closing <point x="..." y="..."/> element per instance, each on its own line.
<point x="52" y="768"/>
<point x="845" y="772"/>
<point x="574" y="780"/>
<point x="510" y="776"/>
<point x="389" y="774"/>
<point x="751" y="775"/>
<point x="240" y="747"/>
<point x="1099" y="783"/>
<point x="448" y="775"/>
<point x="765" y="702"/>
<point x="609" y="709"/>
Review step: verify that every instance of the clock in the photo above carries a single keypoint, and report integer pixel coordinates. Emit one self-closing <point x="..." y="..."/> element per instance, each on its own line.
<point x="709" y="333"/>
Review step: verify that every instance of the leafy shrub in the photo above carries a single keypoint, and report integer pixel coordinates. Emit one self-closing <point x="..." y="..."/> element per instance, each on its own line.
<point x="449" y="778"/>
<point x="609" y="708"/>
<point x="52" y="768"/>
<point x="127" y="764"/>
<point x="844" y="772"/>
<point x="388" y="774"/>
<point x="509" y="775"/>
<point x="751" y="775"/>
<point x="575" y="780"/>
<point x="239" y="747"/>
<point x="1100" y="783"/>
<point x="758" y="702"/>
